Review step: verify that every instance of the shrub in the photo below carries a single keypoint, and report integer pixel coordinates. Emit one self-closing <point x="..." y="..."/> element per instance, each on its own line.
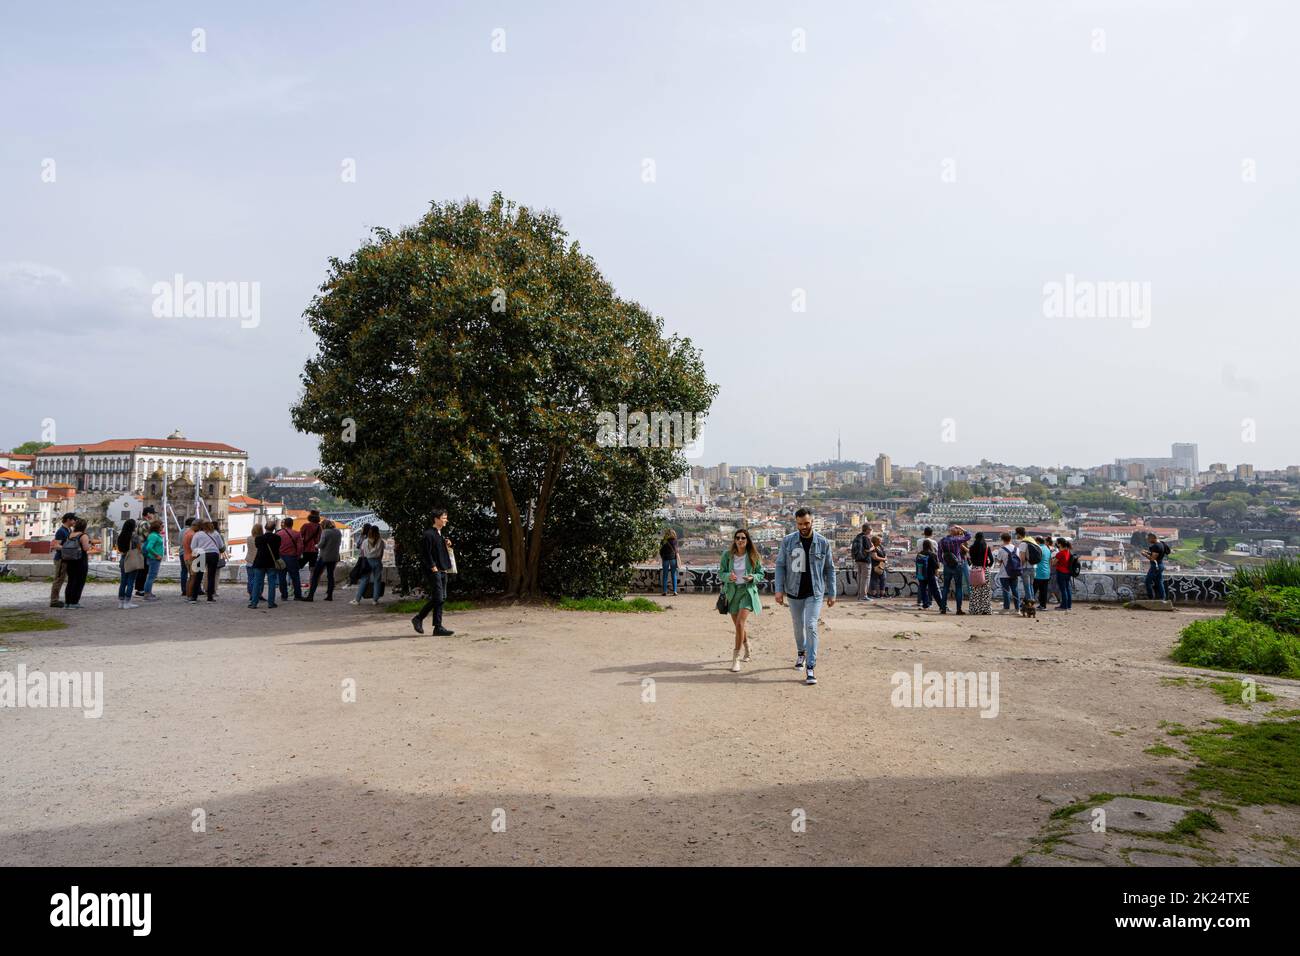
<point x="1280" y="573"/>
<point x="1278" y="607"/>
<point x="1230" y="643"/>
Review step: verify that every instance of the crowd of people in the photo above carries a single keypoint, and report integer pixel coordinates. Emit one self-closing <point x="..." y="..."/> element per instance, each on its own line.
<point x="955" y="569"/>
<point x="279" y="554"/>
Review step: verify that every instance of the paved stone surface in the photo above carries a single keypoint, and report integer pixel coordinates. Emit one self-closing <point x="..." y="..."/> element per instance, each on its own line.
<point x="1140" y="816"/>
<point x="1144" y="858"/>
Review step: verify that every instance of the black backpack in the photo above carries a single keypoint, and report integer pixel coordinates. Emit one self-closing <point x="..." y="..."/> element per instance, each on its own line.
<point x="1034" y="551"/>
<point x="860" y="548"/>
<point x="666" y="551"/>
<point x="1075" y="567"/>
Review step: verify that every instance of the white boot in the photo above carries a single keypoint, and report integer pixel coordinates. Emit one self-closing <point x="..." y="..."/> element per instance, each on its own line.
<point x="735" y="662"/>
<point x="745" y="659"/>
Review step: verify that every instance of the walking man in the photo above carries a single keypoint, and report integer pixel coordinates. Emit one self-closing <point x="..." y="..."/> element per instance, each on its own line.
<point x="60" y="571"/>
<point x="435" y="560"/>
<point x="805" y="576"/>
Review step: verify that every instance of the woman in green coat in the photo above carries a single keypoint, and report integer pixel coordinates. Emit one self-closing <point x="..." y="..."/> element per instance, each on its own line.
<point x="740" y="572"/>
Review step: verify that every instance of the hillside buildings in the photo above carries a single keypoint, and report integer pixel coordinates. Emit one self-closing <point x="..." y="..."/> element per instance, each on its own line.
<point x="125" y="464"/>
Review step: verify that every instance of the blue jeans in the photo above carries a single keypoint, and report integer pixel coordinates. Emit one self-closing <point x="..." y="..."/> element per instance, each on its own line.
<point x="805" y="613"/>
<point x="930" y="593"/>
<point x="668" y="567"/>
<point x="151" y="565"/>
<point x="124" y="585"/>
<point x="185" y="574"/>
<point x="373" y="574"/>
<point x="1063" y="584"/>
<point x="255" y="578"/>
<point x="1156" y="582"/>
<point x="291" y="567"/>
<point x="957" y="574"/>
<point x="1010" y="592"/>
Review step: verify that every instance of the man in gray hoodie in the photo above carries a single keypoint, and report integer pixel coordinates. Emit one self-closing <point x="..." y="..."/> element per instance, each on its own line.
<point x="327" y="556"/>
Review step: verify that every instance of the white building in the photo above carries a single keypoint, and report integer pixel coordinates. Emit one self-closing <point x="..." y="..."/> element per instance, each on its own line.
<point x="123" y="464"/>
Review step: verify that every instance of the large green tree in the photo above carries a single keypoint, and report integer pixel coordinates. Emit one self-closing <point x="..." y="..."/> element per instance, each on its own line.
<point x="463" y="362"/>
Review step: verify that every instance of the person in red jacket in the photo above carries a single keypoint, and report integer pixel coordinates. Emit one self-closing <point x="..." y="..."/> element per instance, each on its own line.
<point x="291" y="555"/>
<point x="311" y="530"/>
<point x="1061" y="565"/>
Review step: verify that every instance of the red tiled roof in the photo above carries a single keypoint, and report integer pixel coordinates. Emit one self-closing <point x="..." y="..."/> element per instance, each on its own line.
<point x="131" y="444"/>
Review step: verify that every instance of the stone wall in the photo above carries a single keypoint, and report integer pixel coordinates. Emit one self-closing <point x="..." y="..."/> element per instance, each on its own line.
<point x="1089" y="586"/>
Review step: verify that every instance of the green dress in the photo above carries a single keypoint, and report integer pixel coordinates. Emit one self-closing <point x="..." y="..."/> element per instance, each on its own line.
<point x="740" y="595"/>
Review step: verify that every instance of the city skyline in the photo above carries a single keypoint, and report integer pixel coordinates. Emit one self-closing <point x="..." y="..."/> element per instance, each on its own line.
<point x="922" y="250"/>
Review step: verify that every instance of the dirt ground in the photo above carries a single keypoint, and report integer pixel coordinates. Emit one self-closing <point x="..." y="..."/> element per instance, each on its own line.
<point x="533" y="736"/>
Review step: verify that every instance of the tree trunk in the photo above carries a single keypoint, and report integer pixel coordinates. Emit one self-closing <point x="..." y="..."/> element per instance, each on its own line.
<point x="554" y="461"/>
<point x="512" y="535"/>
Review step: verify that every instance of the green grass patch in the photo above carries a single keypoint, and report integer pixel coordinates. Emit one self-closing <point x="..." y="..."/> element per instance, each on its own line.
<point x="1232" y="692"/>
<point x="414" y="604"/>
<point x="1195" y="821"/>
<point x="1231" y="643"/>
<point x="11" y="579"/>
<point x="1249" y="763"/>
<point x="637" y="605"/>
<point x="12" y="622"/>
<point x="1163" y="750"/>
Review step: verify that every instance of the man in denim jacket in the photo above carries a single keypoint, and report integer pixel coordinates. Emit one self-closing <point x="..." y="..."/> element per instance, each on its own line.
<point x="805" y="575"/>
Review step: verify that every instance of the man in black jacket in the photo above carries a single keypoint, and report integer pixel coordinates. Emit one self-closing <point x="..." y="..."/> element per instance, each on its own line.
<point x="436" y="562"/>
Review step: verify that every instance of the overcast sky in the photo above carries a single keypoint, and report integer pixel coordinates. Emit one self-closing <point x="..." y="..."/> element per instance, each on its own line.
<point x="921" y="171"/>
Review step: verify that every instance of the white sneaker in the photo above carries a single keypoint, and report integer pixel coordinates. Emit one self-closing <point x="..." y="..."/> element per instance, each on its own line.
<point x="354" y="601"/>
<point x="735" y="663"/>
<point x="128" y="606"/>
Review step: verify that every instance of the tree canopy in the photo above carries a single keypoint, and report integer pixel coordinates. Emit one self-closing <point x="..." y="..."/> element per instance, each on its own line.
<point x="463" y="362"/>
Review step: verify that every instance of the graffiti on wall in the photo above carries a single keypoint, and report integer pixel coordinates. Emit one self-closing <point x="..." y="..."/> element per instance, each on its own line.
<point x="1095" y="586"/>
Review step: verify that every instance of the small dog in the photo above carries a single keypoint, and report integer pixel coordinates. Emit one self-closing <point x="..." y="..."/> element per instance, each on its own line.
<point x="1027" y="608"/>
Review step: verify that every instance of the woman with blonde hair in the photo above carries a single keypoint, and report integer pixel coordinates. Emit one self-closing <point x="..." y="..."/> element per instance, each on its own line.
<point x="740" y="571"/>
